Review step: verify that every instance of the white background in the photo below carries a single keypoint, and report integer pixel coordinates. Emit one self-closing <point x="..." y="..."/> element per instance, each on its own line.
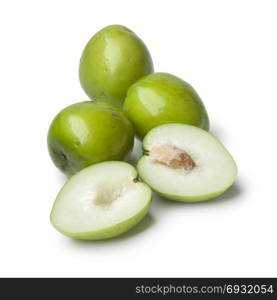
<point x="227" y="50"/>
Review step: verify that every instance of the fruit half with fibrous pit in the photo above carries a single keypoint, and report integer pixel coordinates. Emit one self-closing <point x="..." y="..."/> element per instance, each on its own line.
<point x="186" y="163"/>
<point x="101" y="201"/>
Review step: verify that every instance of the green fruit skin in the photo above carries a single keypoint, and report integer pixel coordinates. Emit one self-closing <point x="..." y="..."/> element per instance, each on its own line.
<point x="86" y="133"/>
<point x="162" y="98"/>
<point x="113" y="59"/>
<point x="111" y="231"/>
<point x="194" y="199"/>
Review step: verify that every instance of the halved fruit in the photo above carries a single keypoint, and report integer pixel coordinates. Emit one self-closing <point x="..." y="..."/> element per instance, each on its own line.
<point x="186" y="163"/>
<point x="100" y="202"/>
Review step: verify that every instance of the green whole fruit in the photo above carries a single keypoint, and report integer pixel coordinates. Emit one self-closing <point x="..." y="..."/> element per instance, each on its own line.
<point x="162" y="98"/>
<point x="86" y="133"/>
<point x="114" y="58"/>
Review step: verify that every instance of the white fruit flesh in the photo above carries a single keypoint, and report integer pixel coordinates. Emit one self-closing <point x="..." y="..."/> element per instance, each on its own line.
<point x="186" y="163"/>
<point x="95" y="202"/>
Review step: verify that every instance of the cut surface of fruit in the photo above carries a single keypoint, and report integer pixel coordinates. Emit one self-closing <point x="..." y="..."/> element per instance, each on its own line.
<point x="186" y="163"/>
<point x="101" y="201"/>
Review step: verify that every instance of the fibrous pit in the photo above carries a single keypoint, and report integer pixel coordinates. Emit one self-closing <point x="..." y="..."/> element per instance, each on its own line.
<point x="110" y="192"/>
<point x="172" y="157"/>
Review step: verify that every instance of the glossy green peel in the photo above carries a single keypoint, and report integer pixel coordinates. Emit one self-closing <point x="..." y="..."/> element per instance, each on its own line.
<point x="162" y="98"/>
<point x="86" y="133"/>
<point x="113" y="59"/>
